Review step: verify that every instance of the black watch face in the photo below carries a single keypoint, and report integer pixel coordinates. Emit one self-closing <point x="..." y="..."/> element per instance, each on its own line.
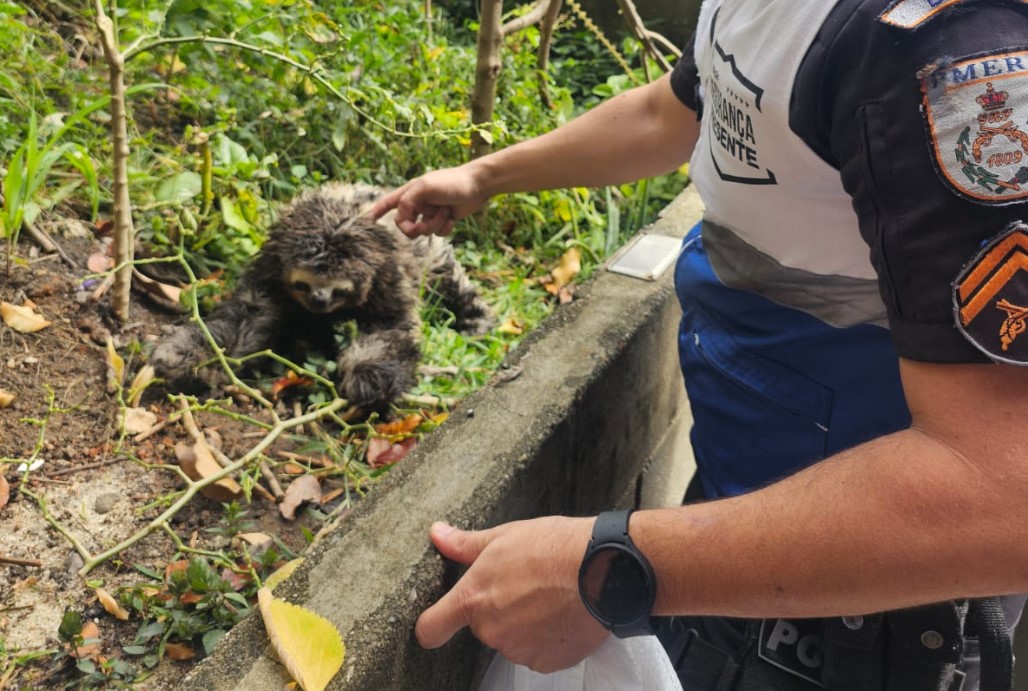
<point x="616" y="586"/>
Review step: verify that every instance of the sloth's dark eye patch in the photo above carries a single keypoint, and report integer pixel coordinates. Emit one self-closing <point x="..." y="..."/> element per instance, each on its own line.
<point x="340" y="292"/>
<point x="302" y="286"/>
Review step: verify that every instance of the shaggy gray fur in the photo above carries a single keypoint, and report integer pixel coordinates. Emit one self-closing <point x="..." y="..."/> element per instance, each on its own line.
<point x="324" y="263"/>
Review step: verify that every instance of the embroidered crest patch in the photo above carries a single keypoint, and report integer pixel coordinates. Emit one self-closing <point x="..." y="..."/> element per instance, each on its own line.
<point x="976" y="113"/>
<point x="910" y="14"/>
<point x="990" y="297"/>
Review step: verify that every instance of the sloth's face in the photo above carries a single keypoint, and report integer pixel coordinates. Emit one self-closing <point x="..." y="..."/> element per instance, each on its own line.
<point x="323" y="294"/>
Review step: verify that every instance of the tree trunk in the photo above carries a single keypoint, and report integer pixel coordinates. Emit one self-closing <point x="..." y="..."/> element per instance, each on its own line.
<point x="124" y="232"/>
<point x="486" y="74"/>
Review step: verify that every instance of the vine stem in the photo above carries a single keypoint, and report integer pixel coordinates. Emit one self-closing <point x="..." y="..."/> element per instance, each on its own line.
<point x="194" y="487"/>
<point x="311" y="70"/>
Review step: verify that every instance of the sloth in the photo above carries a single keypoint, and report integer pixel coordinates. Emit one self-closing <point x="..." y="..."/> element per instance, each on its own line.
<point x="325" y="263"/>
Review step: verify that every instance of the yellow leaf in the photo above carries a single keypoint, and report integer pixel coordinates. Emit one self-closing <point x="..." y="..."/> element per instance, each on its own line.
<point x="684" y="169"/>
<point x="6" y="398"/>
<point x="563" y="209"/>
<point x="115" y="367"/>
<point x="111" y="605"/>
<point x="282" y="573"/>
<point x="512" y="326"/>
<point x="144" y="377"/>
<point x="308" y="645"/>
<point x="570" y="265"/>
<point x="436" y="52"/>
<point x="22" y="318"/>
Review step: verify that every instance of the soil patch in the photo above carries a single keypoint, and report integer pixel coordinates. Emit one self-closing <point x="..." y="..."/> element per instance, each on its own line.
<point x="63" y="423"/>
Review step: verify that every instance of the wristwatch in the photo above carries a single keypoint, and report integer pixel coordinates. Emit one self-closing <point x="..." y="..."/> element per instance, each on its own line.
<point x="615" y="581"/>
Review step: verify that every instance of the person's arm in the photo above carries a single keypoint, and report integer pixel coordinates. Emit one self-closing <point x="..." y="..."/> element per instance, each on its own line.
<point x="643" y="132"/>
<point x="931" y="513"/>
<point x="927" y="514"/>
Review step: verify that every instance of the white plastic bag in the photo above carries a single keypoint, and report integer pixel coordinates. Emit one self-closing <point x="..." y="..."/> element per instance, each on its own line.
<point x="628" y="664"/>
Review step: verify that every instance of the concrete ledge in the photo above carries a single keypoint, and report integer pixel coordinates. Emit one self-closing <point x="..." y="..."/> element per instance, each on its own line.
<point x="599" y="405"/>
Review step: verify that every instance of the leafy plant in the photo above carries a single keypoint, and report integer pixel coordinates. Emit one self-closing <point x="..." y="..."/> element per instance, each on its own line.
<point x="27" y="174"/>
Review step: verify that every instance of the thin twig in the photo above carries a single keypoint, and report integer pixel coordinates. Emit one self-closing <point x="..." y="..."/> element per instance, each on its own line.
<point x="48" y="243"/>
<point x="143" y="436"/>
<point x="87" y="466"/>
<point x="20" y="562"/>
<point x="430" y="401"/>
<point x="273" y="484"/>
<point x="194" y="487"/>
<point x="186" y="415"/>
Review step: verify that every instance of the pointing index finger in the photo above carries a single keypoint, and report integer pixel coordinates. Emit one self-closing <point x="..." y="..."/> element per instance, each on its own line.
<point x="438" y="624"/>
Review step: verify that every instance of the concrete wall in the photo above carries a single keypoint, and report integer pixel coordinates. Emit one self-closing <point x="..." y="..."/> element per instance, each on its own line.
<point x="596" y="419"/>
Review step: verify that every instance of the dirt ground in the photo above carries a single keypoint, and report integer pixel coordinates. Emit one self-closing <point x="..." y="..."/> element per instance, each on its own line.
<point x="63" y="417"/>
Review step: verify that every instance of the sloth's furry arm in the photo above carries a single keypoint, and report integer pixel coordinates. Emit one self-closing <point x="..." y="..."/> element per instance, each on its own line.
<point x="378" y="368"/>
<point x="246" y="323"/>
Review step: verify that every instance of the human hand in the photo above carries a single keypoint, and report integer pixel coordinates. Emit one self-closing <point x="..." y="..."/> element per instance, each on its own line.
<point x="432" y="203"/>
<point x="520" y="594"/>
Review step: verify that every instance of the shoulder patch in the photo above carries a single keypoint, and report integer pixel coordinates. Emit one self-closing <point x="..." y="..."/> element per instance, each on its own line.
<point x="975" y="110"/>
<point x="990" y="297"/>
<point x="911" y="14"/>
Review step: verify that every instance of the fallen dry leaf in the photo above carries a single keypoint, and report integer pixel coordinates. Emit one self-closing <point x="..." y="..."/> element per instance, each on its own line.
<point x="6" y="398"/>
<point x="98" y="262"/>
<point x="570" y="265"/>
<point x="303" y="489"/>
<point x="91" y="642"/>
<point x="115" y="368"/>
<point x="144" y="377"/>
<point x="404" y="426"/>
<point x="383" y="452"/>
<point x="259" y="541"/>
<point x="22" y="319"/>
<point x="308" y="645"/>
<point x="111" y="605"/>
<point x="512" y="326"/>
<point x="179" y="651"/>
<point x="290" y="379"/>
<point x="198" y="463"/>
<point x="5" y="492"/>
<point x="137" y="420"/>
<point x="282" y="573"/>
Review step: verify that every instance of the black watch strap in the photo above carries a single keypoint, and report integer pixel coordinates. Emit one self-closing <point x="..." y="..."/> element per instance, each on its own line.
<point x="616" y="578"/>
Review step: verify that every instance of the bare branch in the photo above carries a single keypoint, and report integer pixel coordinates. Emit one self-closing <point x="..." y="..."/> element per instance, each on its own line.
<point x="530" y="18"/>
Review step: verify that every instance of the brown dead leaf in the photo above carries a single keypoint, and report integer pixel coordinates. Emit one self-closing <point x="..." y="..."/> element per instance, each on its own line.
<point x="303" y="489"/>
<point x="565" y="295"/>
<point x="198" y="463"/>
<point x="189" y="598"/>
<point x="111" y="605"/>
<point x="91" y="645"/>
<point x="293" y="469"/>
<point x="21" y="318"/>
<point x="383" y="452"/>
<point x="258" y="542"/>
<point x="333" y="494"/>
<point x="179" y="651"/>
<point x="6" y="398"/>
<point x="98" y="262"/>
<point x="5" y="492"/>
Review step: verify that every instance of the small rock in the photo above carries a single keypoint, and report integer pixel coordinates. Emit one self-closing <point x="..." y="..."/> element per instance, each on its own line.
<point x="105" y="503"/>
<point x="73" y="562"/>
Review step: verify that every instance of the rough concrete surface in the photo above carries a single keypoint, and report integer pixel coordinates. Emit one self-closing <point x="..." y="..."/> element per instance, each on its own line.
<point x="574" y="433"/>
